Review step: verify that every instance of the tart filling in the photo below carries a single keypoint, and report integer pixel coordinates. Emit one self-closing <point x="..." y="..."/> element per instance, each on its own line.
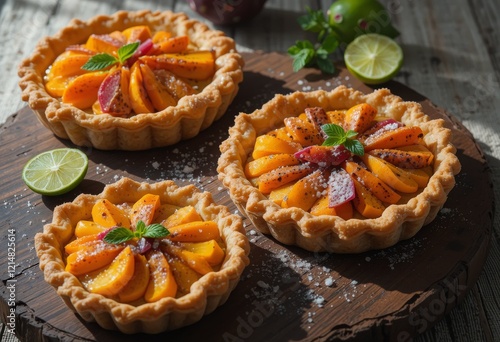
<point x="156" y="254"/>
<point x="167" y="88"/>
<point x="339" y="171"/>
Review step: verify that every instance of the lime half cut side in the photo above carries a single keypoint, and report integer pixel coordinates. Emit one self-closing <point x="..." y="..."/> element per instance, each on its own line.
<point x="373" y="58"/>
<point x="55" y="172"/>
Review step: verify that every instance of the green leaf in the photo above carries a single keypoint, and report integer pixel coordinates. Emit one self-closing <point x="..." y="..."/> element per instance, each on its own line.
<point x="330" y="44"/>
<point x="140" y="229"/>
<point x="118" y="235"/>
<point x="333" y="130"/>
<point x="99" y="62"/>
<point x="351" y="134"/>
<point x="127" y="51"/>
<point x="326" y="65"/>
<point x="313" y="21"/>
<point x="355" y="147"/>
<point x="156" y="230"/>
<point x="337" y="136"/>
<point x="302" y="59"/>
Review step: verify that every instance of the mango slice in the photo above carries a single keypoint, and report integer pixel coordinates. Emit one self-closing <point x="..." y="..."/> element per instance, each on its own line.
<point x="197" y="65"/>
<point x="366" y="203"/>
<point x="172" y="45"/>
<point x="265" y="164"/>
<point x="277" y="195"/>
<point x="210" y="250"/>
<point x="160" y="36"/>
<point x="195" y="261"/>
<point x="266" y="145"/>
<point x="281" y="176"/>
<point x="402" y="136"/>
<point x="393" y="176"/>
<point x="165" y="210"/>
<point x="145" y="209"/>
<point x="322" y="207"/>
<point x="303" y="131"/>
<point x="381" y="190"/>
<point x="281" y="133"/>
<point x="336" y="117"/>
<point x="81" y="91"/>
<point x="84" y="228"/>
<point x="405" y="158"/>
<point x="359" y="117"/>
<point x="87" y="260"/>
<point x="137" y="33"/>
<point x="184" y="275"/>
<point x="104" y="43"/>
<point x="306" y="191"/>
<point x="183" y="215"/>
<point x="139" y="98"/>
<point x="109" y="215"/>
<point x="161" y="279"/>
<point x="67" y="64"/>
<point x="112" y="279"/>
<point x="81" y="243"/>
<point x="196" y="231"/>
<point x="137" y="285"/>
<point x="158" y="93"/>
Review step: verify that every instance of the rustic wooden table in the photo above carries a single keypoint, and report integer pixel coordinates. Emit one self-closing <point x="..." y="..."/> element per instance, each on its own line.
<point x="452" y="57"/>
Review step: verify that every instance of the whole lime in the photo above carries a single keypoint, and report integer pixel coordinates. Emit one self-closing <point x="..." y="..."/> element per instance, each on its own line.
<point x="352" y="18"/>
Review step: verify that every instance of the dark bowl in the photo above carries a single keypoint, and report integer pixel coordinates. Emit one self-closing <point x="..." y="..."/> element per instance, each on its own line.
<point x="227" y="12"/>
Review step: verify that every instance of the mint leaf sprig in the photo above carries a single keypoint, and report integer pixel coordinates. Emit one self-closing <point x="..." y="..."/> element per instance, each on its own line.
<point x="121" y="234"/>
<point x="336" y="135"/>
<point x="305" y="53"/>
<point x="104" y="60"/>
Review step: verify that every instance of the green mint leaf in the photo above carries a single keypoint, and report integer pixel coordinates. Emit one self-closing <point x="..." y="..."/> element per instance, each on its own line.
<point x="140" y="229"/>
<point x="355" y="147"/>
<point x="118" y="235"/>
<point x="301" y="59"/>
<point x="156" y="230"/>
<point x="333" y="131"/>
<point x="127" y="51"/>
<point x="332" y="142"/>
<point x="313" y="21"/>
<point x="99" y="62"/>
<point x="325" y="64"/>
<point x="330" y="43"/>
<point x="351" y="134"/>
<point x="337" y="136"/>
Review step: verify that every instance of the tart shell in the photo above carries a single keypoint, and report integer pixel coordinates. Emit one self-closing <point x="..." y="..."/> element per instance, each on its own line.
<point x="294" y="226"/>
<point x="209" y="292"/>
<point x="191" y="115"/>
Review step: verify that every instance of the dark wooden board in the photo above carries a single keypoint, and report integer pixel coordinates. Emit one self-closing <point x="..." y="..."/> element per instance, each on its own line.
<point x="285" y="293"/>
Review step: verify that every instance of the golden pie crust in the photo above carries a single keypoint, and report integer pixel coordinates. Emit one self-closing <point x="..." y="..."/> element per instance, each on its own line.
<point x="294" y="226"/>
<point x="191" y="115"/>
<point x="209" y="292"/>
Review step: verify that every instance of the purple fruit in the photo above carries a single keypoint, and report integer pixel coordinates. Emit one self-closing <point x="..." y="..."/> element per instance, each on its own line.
<point x="224" y="12"/>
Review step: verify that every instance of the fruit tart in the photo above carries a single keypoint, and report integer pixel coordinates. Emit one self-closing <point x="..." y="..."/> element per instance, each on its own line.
<point x="339" y="171"/>
<point x="143" y="257"/>
<point x="131" y="80"/>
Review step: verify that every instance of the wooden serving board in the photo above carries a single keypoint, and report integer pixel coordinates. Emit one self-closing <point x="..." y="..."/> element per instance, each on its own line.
<point x="285" y="293"/>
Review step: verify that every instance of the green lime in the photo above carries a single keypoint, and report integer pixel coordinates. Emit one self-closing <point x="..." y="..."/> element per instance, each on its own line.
<point x="55" y="172"/>
<point x="373" y="58"/>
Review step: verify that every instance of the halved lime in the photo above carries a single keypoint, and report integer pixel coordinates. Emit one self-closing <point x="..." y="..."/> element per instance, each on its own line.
<point x="55" y="172"/>
<point x="373" y="58"/>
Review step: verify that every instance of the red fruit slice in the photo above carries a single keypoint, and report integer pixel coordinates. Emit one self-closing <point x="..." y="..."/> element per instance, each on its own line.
<point x="340" y="188"/>
<point x="324" y="155"/>
<point x="113" y="95"/>
<point x="142" y="50"/>
<point x="382" y="126"/>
